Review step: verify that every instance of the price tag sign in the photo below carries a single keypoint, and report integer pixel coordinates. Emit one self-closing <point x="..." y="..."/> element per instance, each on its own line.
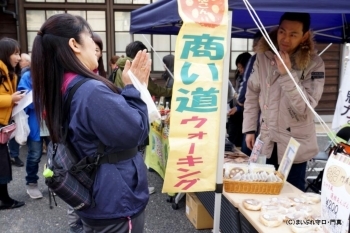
<point x="288" y="158"/>
<point x="335" y="194"/>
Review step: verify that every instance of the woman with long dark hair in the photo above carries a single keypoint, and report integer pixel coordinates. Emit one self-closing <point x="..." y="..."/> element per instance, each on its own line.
<point x="120" y="189"/>
<point x="99" y="48"/>
<point x="9" y="67"/>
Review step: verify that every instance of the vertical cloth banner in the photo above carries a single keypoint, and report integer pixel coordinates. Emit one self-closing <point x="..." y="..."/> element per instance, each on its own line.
<point x="335" y="194"/>
<point x="196" y="101"/>
<point x="342" y="110"/>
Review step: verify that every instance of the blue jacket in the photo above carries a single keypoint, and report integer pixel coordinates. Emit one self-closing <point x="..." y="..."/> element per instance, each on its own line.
<point x="243" y="88"/>
<point x="119" y="121"/>
<point x="26" y="84"/>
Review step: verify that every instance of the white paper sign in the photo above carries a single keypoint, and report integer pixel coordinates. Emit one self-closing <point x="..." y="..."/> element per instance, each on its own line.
<point x="23" y="103"/>
<point x="335" y="195"/>
<point x="288" y="158"/>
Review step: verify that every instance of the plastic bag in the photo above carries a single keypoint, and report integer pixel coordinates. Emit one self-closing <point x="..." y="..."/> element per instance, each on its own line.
<point x="22" y="131"/>
<point x="256" y="150"/>
<point x="153" y="113"/>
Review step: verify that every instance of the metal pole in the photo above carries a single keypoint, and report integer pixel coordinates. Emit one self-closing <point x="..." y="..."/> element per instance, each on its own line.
<point x="222" y="130"/>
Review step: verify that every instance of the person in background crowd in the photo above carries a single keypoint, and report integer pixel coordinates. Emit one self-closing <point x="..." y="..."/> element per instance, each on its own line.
<point x="131" y="51"/>
<point x="114" y="67"/>
<point x="24" y="64"/>
<point x="120" y="189"/>
<point x="169" y="63"/>
<point x="236" y="118"/>
<point x="243" y="88"/>
<point x="270" y="89"/>
<point x="9" y="59"/>
<point x="99" y="48"/>
<point x="34" y="142"/>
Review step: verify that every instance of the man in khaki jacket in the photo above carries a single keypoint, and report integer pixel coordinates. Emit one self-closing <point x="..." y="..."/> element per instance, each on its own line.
<point x="284" y="114"/>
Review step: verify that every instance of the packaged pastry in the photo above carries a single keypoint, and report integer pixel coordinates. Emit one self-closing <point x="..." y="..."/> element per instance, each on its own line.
<point x="285" y="211"/>
<point x="270" y="208"/>
<point x="259" y="168"/>
<point x="252" y="204"/>
<point x="285" y="202"/>
<point x="297" y="200"/>
<point x="295" y="216"/>
<point x="271" y="219"/>
<point x="305" y="209"/>
<point x="312" y="198"/>
<point x="232" y="169"/>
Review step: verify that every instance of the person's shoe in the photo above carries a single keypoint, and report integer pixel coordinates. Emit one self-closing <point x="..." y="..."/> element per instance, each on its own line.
<point x="33" y="191"/>
<point x="17" y="162"/>
<point x="151" y="190"/>
<point x="77" y="228"/>
<point x="14" y="204"/>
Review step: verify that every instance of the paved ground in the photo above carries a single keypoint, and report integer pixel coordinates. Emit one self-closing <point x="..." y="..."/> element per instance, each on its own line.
<point x="36" y="217"/>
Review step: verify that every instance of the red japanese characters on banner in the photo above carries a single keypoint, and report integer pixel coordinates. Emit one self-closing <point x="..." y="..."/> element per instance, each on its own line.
<point x="187" y="165"/>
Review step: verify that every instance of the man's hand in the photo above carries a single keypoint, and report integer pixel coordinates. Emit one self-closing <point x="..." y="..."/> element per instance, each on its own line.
<point x="250" y="140"/>
<point x="286" y="60"/>
<point x="232" y="111"/>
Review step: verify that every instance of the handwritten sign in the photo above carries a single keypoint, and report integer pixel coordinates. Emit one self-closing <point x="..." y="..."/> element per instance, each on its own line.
<point x="288" y="158"/>
<point x="196" y="101"/>
<point x="335" y="193"/>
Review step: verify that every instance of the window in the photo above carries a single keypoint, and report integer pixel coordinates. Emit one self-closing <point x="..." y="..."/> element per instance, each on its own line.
<point x="96" y="19"/>
<point x="163" y="45"/>
<point x="239" y="46"/>
<point x="121" y="30"/>
<point x="133" y="1"/>
<point x="35" y="19"/>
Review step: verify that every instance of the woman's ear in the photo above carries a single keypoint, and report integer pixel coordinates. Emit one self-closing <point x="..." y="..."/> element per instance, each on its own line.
<point x="74" y="45"/>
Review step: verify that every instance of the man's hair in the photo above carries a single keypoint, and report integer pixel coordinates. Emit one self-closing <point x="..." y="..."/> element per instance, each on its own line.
<point x="256" y="38"/>
<point x="132" y="48"/>
<point x="303" y="18"/>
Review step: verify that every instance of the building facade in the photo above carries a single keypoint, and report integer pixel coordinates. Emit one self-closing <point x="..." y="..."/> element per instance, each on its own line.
<point x="21" y="20"/>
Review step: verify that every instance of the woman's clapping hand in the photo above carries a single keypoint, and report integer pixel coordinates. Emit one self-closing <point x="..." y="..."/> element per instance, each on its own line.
<point x="140" y="67"/>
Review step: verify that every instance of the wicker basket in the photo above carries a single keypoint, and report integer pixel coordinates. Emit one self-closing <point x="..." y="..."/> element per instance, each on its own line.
<point x="253" y="187"/>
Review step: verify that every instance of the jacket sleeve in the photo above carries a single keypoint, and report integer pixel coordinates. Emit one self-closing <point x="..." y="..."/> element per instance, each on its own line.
<point x="26" y="84"/>
<point x="312" y="86"/>
<point x="119" y="121"/>
<point x="251" y="104"/>
<point x="157" y="90"/>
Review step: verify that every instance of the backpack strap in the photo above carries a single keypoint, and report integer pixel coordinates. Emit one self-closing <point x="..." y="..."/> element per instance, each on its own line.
<point x="67" y="104"/>
<point x="66" y="109"/>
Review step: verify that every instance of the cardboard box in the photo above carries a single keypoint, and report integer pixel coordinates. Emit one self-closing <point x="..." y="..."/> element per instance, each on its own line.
<point x="196" y="212"/>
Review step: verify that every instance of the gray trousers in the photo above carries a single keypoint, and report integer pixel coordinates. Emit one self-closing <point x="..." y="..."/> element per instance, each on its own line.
<point x="115" y="226"/>
<point x="73" y="218"/>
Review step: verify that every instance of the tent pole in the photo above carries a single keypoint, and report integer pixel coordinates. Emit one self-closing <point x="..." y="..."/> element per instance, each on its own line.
<point x="222" y="130"/>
